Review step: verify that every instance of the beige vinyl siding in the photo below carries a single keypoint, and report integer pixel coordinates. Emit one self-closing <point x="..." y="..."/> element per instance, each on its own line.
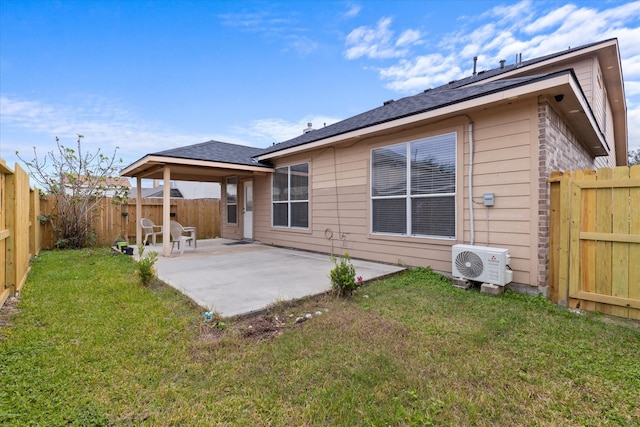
<point x="503" y="165"/>
<point x="584" y="71"/>
<point x="598" y="96"/>
<point x="608" y="161"/>
<point x="609" y="133"/>
<point x="340" y="221"/>
<point x="590" y="78"/>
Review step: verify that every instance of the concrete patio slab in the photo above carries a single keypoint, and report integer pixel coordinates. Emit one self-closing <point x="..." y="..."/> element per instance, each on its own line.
<point x="234" y="279"/>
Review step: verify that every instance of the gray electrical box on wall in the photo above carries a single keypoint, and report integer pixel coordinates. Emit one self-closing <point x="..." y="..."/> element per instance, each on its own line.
<point x="489" y="199"/>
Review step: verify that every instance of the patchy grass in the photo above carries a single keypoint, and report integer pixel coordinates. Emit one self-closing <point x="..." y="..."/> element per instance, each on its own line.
<point x="90" y="346"/>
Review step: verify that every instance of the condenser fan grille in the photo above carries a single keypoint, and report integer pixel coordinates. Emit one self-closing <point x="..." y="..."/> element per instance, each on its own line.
<point x="469" y="264"/>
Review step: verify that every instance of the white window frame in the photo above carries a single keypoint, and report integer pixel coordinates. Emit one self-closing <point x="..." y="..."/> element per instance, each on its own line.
<point x="289" y="200"/>
<point x="226" y="192"/>
<point x="409" y="197"/>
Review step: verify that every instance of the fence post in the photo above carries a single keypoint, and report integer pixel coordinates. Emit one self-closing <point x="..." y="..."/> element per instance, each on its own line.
<point x="10" y="248"/>
<point x="35" y="239"/>
<point x="554" y="235"/>
<point x="5" y="232"/>
<point x="634" y="250"/>
<point x="564" y="225"/>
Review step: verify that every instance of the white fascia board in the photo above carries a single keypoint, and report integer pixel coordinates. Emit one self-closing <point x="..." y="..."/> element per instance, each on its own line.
<point x="556" y="59"/>
<point x="161" y="160"/>
<point x="575" y="86"/>
<point x="448" y="110"/>
<point x="133" y="166"/>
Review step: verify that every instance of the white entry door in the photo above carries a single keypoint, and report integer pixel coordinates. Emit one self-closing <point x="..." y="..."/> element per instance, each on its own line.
<point x="248" y="210"/>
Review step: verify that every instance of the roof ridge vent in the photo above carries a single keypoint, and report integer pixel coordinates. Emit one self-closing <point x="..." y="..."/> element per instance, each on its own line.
<point x="390" y="101"/>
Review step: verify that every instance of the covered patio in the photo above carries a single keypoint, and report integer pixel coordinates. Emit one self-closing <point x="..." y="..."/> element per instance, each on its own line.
<point x="211" y="161"/>
<point x="234" y="277"/>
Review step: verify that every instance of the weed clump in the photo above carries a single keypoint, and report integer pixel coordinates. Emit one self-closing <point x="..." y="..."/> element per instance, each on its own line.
<point x="144" y="267"/>
<point x="343" y="276"/>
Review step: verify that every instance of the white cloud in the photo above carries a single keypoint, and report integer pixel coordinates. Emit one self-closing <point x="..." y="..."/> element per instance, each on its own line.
<point x="628" y="39"/>
<point x="528" y="28"/>
<point x="625" y="12"/>
<point x="302" y="45"/>
<point x="514" y="14"/>
<point x="353" y="11"/>
<point x="550" y="20"/>
<point x="501" y="33"/>
<point x="378" y="42"/>
<point x="632" y="89"/>
<point x="106" y="124"/>
<point x="420" y="73"/>
<point x="261" y="21"/>
<point x="633" y="118"/>
<point x="274" y="130"/>
<point x="408" y="38"/>
<point x="273" y="27"/>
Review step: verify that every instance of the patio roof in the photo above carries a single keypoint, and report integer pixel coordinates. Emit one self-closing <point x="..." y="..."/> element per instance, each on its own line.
<point x="205" y="162"/>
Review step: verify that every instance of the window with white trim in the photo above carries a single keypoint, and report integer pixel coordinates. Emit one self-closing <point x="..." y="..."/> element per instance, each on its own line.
<point x="290" y="196"/>
<point x="413" y="188"/>
<point x="232" y="200"/>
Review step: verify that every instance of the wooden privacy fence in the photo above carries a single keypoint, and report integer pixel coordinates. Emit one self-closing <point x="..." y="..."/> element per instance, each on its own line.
<point x="119" y="220"/>
<point x="595" y="240"/>
<point x="19" y="233"/>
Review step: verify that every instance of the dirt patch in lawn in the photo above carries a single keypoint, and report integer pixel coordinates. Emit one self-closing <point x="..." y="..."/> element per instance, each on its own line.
<point x="261" y="327"/>
<point x="265" y="325"/>
<point x="7" y="311"/>
<point x="257" y="327"/>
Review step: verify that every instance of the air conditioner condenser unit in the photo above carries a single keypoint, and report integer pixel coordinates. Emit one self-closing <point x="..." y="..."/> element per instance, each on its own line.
<point x="482" y="264"/>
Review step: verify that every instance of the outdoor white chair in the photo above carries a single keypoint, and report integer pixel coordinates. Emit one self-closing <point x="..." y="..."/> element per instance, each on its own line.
<point x="150" y="229"/>
<point x="178" y="235"/>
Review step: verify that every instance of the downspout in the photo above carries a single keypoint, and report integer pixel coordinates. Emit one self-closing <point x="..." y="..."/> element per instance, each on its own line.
<point x="471" y="227"/>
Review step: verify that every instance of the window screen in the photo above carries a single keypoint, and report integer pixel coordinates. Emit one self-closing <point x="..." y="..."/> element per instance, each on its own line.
<point x="232" y="200"/>
<point x="290" y="196"/>
<point x="413" y="188"/>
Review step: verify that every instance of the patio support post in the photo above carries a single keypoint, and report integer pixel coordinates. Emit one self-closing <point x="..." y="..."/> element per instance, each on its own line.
<point x="166" y="207"/>
<point x="138" y="210"/>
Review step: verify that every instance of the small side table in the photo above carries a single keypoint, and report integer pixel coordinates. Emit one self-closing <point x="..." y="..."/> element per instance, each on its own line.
<point x="192" y="232"/>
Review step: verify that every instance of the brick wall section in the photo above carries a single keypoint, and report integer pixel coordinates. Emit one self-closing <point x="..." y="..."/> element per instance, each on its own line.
<point x="558" y="150"/>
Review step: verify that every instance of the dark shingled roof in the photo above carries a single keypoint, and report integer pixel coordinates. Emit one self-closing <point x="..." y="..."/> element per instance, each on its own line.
<point x="158" y="192"/>
<point x="216" y="151"/>
<point x="430" y="99"/>
<point x="486" y="74"/>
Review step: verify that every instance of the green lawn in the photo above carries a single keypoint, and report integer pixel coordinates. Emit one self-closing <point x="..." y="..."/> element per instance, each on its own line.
<point x="90" y="346"/>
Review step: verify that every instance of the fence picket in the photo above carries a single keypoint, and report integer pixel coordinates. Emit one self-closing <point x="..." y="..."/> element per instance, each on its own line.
<point x="620" y="250"/>
<point x="19" y="241"/>
<point x="598" y="241"/>
<point x="120" y="220"/>
<point x="602" y="260"/>
<point x="634" y="249"/>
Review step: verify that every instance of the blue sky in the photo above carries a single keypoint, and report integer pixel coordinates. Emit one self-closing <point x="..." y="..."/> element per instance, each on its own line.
<point x="147" y="76"/>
